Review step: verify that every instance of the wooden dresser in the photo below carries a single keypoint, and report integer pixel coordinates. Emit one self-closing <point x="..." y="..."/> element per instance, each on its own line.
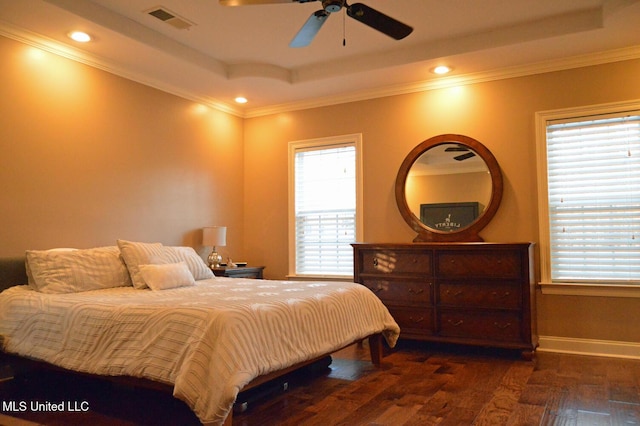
<point x="468" y="293"/>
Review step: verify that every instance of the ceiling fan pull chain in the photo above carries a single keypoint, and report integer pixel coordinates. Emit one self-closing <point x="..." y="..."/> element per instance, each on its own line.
<point x="344" y="27"/>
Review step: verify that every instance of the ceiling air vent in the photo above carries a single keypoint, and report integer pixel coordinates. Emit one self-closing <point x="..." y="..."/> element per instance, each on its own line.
<point x="165" y="15"/>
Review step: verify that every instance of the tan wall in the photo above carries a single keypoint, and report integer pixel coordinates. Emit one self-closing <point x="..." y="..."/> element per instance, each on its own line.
<point x="88" y="157"/>
<point x="499" y="114"/>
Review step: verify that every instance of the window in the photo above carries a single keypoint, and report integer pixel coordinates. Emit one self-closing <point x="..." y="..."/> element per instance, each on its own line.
<point x="325" y="206"/>
<point x="590" y="199"/>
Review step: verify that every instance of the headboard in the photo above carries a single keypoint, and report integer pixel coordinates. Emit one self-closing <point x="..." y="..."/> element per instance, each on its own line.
<point x="12" y="272"/>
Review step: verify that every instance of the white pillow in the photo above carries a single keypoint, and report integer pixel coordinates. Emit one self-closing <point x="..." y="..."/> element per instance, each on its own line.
<point x="166" y="276"/>
<point x="70" y="271"/>
<point x="28" y="269"/>
<point x="136" y="254"/>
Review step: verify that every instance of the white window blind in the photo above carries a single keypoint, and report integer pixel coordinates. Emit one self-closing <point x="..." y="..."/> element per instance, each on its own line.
<point x="593" y="167"/>
<point x="325" y="210"/>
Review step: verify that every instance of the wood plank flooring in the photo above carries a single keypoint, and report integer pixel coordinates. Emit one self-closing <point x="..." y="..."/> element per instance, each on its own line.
<point x="417" y="384"/>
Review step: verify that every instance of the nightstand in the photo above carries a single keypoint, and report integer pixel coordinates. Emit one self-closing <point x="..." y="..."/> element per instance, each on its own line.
<point x="239" y="272"/>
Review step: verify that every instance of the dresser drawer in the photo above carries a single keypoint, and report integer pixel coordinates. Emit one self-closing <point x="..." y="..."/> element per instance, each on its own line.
<point x="413" y="321"/>
<point x="396" y="262"/>
<point x="412" y="292"/>
<point x="478" y="293"/>
<point x="486" y="264"/>
<point x="498" y="326"/>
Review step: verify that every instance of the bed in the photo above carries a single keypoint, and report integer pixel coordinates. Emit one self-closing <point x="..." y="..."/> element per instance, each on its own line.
<point x="207" y="339"/>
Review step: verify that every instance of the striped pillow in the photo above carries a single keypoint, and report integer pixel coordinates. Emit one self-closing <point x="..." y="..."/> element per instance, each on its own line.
<point x="77" y="270"/>
<point x="196" y="265"/>
<point x="136" y="254"/>
<point x="28" y="269"/>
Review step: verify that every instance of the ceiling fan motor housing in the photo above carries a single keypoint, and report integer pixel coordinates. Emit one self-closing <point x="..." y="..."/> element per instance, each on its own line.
<point x="332" y="6"/>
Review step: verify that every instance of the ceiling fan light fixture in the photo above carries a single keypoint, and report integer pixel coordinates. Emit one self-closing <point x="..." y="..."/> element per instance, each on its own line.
<point x="241" y="100"/>
<point x="332" y="6"/>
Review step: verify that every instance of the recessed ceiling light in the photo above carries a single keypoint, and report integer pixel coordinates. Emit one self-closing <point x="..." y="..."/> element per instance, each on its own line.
<point x="441" y="69"/>
<point x="80" y="36"/>
<point x="241" y="100"/>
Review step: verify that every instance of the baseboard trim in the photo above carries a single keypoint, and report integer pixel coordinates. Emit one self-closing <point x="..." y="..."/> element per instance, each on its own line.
<point x="605" y="348"/>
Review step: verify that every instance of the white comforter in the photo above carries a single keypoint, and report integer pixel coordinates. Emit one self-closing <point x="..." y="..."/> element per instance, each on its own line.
<point x="208" y="340"/>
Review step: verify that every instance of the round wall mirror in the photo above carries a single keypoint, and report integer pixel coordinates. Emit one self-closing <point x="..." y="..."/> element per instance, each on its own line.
<point x="448" y="188"/>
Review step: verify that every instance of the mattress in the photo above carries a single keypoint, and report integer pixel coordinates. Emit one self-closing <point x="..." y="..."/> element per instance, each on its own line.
<point x="207" y="340"/>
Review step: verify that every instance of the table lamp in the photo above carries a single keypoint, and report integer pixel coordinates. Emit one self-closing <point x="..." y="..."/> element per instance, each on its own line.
<point x="214" y="236"/>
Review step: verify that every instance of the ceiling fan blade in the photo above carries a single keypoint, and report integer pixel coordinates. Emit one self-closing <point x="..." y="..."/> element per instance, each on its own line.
<point x="253" y="2"/>
<point x="463" y="157"/>
<point x="379" y="21"/>
<point x="458" y="148"/>
<point x="306" y="34"/>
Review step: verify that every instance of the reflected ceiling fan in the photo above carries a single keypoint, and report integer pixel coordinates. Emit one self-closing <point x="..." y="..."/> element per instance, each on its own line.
<point x="460" y="148"/>
<point x="358" y="11"/>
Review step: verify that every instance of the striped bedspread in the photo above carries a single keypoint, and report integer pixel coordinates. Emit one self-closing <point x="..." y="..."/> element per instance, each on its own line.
<point x="207" y="340"/>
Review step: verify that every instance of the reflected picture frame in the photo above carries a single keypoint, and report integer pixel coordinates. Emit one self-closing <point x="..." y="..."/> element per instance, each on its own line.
<point x="449" y="217"/>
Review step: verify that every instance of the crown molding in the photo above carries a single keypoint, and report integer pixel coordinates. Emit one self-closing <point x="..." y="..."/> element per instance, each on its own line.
<point x="52" y="46"/>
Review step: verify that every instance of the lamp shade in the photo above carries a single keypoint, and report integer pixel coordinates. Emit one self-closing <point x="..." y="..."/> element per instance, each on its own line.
<point x="214" y="236"/>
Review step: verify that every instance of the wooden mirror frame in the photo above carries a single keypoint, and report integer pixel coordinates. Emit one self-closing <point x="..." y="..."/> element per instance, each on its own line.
<point x="471" y="232"/>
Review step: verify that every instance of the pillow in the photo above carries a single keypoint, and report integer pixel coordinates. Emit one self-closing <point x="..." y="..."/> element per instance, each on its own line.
<point x="166" y="276"/>
<point x="26" y="265"/>
<point x="194" y="262"/>
<point x="136" y="254"/>
<point x="70" y="271"/>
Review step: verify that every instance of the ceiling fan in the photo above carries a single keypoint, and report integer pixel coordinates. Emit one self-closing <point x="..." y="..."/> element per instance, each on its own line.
<point x="358" y="11"/>
<point x="460" y="148"/>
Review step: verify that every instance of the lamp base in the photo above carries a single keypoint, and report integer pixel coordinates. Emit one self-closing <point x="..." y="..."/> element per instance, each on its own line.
<point x="214" y="259"/>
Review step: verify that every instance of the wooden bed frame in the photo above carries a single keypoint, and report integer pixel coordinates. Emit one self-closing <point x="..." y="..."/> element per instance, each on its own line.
<point x="13" y="272"/>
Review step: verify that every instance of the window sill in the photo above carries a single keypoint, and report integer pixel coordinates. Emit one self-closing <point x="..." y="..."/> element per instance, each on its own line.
<point x="579" y="289"/>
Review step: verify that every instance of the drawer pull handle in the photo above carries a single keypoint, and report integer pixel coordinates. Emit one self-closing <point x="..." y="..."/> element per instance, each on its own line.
<point x="455" y="324"/>
<point x="419" y="319"/>
<point x="418" y="291"/>
<point x="378" y="289"/>
<point x="375" y="261"/>
<point x="502" y="326"/>
<point x="505" y="294"/>
<point x="457" y="293"/>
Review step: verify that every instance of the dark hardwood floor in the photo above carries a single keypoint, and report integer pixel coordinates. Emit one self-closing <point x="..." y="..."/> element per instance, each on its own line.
<point x="418" y="384"/>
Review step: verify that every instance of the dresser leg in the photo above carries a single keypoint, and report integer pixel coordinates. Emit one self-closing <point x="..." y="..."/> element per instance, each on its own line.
<point x="528" y="354"/>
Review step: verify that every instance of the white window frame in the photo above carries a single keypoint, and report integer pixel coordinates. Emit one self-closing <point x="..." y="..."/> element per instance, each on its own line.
<point x="328" y="142"/>
<point x="580" y="289"/>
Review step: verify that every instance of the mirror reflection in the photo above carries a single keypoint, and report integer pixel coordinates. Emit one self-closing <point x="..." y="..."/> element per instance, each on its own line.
<point x="448" y="187"/>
